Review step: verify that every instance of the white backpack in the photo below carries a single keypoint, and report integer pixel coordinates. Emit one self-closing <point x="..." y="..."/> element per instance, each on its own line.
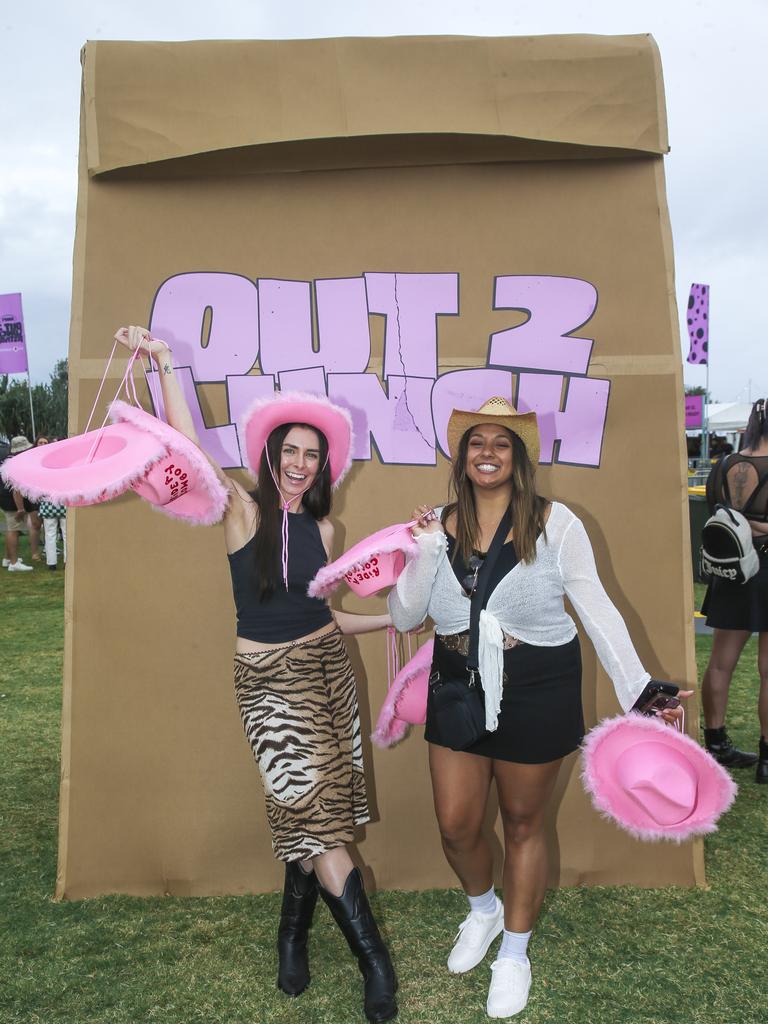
<point x="727" y="548"/>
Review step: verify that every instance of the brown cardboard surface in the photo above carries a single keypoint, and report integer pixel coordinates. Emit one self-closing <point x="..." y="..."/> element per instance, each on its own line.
<point x="159" y="792"/>
<point x="588" y="91"/>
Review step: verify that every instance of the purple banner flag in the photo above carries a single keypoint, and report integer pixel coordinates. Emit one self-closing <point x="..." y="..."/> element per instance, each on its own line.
<point x="698" y="324"/>
<point x="13" y="348"/>
<point x="694" y="405"/>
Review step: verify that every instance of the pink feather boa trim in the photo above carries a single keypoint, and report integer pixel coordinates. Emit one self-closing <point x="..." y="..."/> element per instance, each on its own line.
<point x="174" y="440"/>
<point x="330" y="576"/>
<point x="725" y="788"/>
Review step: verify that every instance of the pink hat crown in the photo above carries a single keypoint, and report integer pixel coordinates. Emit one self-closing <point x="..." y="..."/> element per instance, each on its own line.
<point x="264" y="415"/>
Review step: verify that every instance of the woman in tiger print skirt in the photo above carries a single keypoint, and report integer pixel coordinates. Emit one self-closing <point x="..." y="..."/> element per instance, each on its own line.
<point x="293" y="681"/>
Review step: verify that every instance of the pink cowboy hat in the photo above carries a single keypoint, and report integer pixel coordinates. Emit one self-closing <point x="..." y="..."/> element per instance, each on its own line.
<point x="85" y="469"/>
<point x="183" y="484"/>
<point x="266" y="414"/>
<point x="406" y="700"/>
<point x="371" y="565"/>
<point x="653" y="781"/>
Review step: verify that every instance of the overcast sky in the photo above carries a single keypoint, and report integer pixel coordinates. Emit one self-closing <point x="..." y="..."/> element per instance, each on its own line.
<point x="714" y="56"/>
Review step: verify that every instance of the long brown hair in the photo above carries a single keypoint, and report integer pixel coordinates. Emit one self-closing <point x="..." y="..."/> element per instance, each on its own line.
<point x="526" y="506"/>
<point x="267" y="546"/>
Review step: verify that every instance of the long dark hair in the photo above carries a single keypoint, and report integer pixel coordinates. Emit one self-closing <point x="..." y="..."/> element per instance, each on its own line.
<point x="267" y="549"/>
<point x="526" y="506"/>
<point x="757" y="425"/>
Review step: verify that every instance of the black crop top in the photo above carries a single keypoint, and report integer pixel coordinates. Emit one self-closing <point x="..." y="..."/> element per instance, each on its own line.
<point x="288" y="614"/>
<point x="735" y="479"/>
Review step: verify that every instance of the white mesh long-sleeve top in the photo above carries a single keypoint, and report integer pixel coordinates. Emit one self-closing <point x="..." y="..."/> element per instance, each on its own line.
<point x="527" y="604"/>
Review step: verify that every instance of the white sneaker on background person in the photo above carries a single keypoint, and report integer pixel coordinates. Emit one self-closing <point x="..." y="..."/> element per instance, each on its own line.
<point x="19" y="566"/>
<point x="6" y="563"/>
<point x="476" y="932"/>
<point x="510" y="985"/>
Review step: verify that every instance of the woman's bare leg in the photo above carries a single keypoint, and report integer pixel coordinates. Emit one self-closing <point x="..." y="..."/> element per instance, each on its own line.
<point x="332" y="869"/>
<point x="460" y="784"/>
<point x="524" y="792"/>
<point x="727" y="645"/>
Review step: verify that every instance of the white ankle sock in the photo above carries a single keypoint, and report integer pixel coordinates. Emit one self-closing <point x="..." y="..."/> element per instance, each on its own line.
<point x="486" y="903"/>
<point x="514" y="945"/>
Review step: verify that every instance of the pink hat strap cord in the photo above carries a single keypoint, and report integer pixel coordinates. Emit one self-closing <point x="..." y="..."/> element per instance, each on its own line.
<point x="128" y="375"/>
<point x="285" y="506"/>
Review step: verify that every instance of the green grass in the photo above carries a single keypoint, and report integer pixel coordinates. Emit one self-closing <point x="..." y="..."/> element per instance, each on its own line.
<point x="600" y="955"/>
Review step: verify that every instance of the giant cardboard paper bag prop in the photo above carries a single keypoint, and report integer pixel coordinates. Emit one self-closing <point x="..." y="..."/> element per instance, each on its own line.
<point x="407" y="225"/>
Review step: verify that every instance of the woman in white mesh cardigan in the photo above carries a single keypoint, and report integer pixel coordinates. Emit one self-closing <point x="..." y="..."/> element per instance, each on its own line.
<point x="528" y="672"/>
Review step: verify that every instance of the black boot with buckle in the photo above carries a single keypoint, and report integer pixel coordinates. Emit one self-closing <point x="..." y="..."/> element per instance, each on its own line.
<point x="761" y="772"/>
<point x="719" y="745"/>
<point x="299" y="899"/>
<point x="353" y="915"/>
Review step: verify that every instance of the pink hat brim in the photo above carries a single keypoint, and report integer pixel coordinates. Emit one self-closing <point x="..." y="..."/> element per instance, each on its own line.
<point x="601" y="749"/>
<point x="391" y="538"/>
<point x="266" y="414"/>
<point x="390" y="727"/>
<point x="60" y="470"/>
<point x="206" y="500"/>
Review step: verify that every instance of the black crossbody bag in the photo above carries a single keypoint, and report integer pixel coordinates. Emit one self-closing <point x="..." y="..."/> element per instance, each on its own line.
<point x="458" y="705"/>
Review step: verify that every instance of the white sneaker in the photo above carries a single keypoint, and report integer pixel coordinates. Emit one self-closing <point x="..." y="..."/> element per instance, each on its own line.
<point x="476" y="932"/>
<point x="18" y="566"/>
<point x="6" y="563"/>
<point x="510" y="984"/>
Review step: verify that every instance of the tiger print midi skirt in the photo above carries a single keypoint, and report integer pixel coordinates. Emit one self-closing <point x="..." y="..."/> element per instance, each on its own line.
<point x="298" y="705"/>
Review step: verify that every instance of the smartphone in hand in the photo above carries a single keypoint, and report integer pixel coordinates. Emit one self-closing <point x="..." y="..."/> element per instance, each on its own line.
<point x="657" y="696"/>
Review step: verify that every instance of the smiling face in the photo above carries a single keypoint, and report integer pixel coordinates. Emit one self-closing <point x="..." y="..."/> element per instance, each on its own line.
<point x="489" y="456"/>
<point x="299" y="461"/>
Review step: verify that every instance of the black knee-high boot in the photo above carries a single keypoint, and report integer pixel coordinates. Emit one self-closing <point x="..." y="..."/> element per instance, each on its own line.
<point x="299" y="899"/>
<point x="353" y="915"/>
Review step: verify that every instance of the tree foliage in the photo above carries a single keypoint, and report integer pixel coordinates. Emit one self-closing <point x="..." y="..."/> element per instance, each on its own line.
<point x="49" y="402"/>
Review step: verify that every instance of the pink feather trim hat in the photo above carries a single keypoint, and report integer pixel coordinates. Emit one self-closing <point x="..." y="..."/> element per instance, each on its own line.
<point x="370" y="565"/>
<point x="266" y="414"/>
<point x="406" y="700"/>
<point x="183" y="484"/>
<point x="85" y="469"/>
<point x="653" y="781"/>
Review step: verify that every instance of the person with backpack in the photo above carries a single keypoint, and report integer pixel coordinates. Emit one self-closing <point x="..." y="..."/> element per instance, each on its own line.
<point x="736" y="602"/>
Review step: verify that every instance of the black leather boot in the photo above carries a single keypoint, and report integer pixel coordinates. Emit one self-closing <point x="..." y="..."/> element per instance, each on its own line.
<point x="761" y="772"/>
<point x="299" y="899"/>
<point x="719" y="745"/>
<point x="352" y="914"/>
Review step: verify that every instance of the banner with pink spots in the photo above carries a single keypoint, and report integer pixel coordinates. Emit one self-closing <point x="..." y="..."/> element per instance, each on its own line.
<point x="698" y="324"/>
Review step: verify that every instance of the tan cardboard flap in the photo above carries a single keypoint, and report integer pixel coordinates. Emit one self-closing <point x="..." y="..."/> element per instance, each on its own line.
<point x="499" y="95"/>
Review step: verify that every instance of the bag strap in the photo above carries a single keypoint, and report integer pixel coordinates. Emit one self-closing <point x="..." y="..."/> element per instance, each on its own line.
<point x="478" y="598"/>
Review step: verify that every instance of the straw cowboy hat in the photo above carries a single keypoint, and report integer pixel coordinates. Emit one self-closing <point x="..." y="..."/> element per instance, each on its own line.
<point x="499" y="411"/>
<point x="654" y="782"/>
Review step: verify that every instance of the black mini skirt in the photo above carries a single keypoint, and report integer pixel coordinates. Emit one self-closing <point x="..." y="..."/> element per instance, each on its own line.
<point x="739" y="605"/>
<point x="541" y="717"/>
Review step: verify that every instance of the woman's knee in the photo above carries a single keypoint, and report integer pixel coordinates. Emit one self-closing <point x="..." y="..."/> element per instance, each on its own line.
<point x="520" y="826"/>
<point x="458" y="832"/>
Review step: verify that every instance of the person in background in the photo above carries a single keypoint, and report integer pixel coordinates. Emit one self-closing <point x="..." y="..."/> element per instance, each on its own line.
<point x="54" y="520"/>
<point x="737" y="610"/>
<point x="12" y="504"/>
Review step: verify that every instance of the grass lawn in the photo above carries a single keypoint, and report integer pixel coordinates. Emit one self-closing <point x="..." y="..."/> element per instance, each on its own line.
<point x="600" y="955"/>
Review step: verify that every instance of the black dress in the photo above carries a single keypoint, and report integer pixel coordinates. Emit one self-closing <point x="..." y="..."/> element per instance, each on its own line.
<point x="541" y="716"/>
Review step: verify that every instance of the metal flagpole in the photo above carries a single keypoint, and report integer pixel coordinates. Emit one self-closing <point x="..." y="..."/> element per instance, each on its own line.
<point x="31" y="410"/>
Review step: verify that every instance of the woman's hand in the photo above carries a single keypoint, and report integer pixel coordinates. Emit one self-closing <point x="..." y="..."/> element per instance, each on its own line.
<point x="139" y="337"/>
<point x="674" y="716"/>
<point x="427" y="520"/>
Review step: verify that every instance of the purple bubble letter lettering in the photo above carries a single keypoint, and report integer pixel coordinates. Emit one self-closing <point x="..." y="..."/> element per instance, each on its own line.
<point x="285" y="325"/>
<point x="578" y="427"/>
<point x="228" y="303"/>
<point x="412" y="304"/>
<point x="399" y="423"/>
<point x="556" y="306"/>
<point x="342" y="326"/>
